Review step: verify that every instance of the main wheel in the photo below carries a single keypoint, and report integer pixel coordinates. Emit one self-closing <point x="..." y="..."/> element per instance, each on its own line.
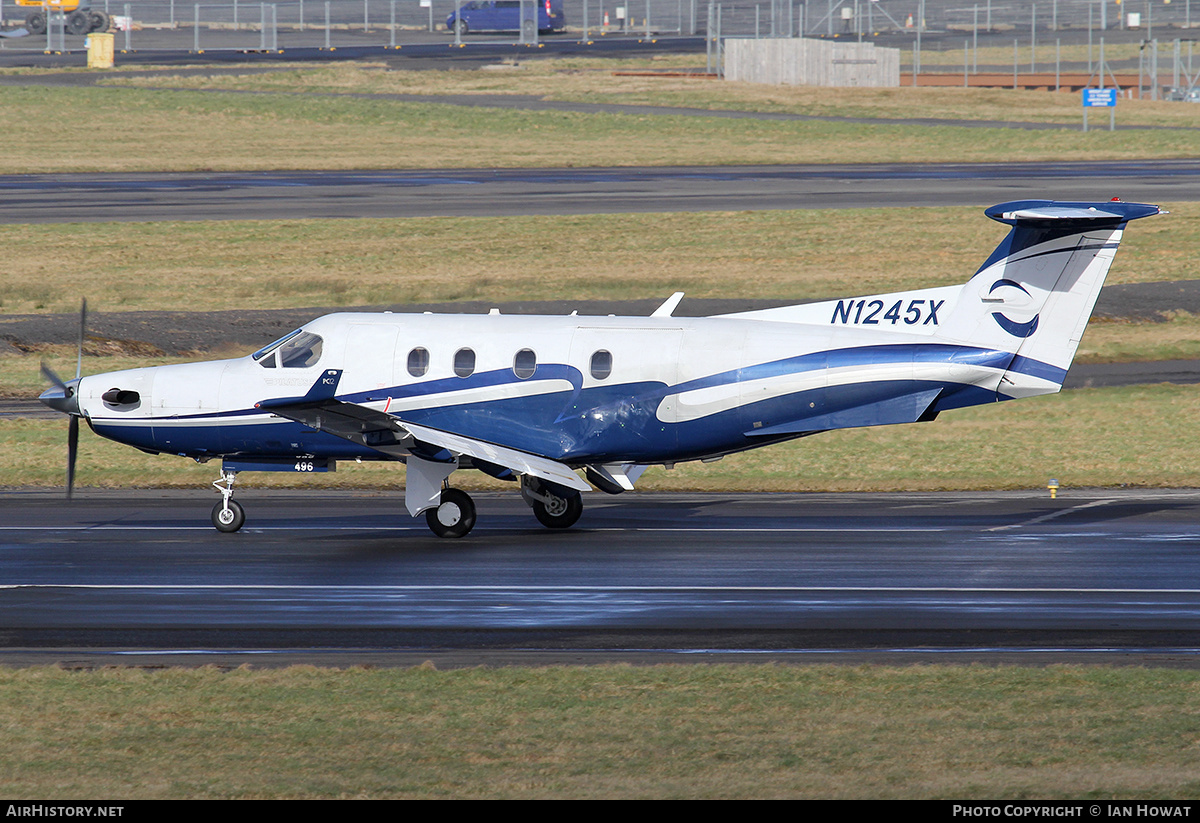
<point x="229" y="519"/>
<point x="460" y="26"/>
<point x="560" y="512"/>
<point x="78" y="22"/>
<point x="454" y="515"/>
<point x="99" y="21"/>
<point x="36" y="23"/>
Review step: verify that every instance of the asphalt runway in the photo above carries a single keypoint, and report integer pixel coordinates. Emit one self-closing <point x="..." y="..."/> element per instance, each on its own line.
<point x="135" y="577"/>
<point x="63" y="198"/>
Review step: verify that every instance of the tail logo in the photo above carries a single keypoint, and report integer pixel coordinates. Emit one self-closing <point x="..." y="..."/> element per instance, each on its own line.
<point x="1017" y="328"/>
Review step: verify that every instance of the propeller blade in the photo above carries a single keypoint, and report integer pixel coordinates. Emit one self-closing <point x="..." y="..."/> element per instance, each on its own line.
<point x="72" y="453"/>
<point x="50" y="375"/>
<point x="82" y="333"/>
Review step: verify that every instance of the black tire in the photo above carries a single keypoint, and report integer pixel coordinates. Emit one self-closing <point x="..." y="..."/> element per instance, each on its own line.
<point x="99" y="21"/>
<point x="454" y="516"/>
<point x="78" y="22"/>
<point x="461" y="26"/>
<point x="36" y="23"/>
<point x="228" y="521"/>
<point x="562" y="513"/>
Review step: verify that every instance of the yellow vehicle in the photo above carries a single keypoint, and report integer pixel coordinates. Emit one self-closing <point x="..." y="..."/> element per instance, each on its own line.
<point x="79" y="16"/>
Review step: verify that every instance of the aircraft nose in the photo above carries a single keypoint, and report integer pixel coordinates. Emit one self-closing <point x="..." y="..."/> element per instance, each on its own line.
<point x="63" y="398"/>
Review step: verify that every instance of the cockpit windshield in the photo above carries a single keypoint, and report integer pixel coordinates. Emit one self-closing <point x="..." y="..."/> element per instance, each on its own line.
<point x="297" y="350"/>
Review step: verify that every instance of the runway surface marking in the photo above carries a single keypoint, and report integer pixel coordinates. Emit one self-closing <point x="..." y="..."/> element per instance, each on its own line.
<point x="1052" y="515"/>
<point x="540" y="589"/>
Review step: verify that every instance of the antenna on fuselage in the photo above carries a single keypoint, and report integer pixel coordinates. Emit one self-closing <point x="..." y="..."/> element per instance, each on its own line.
<point x="668" y="305"/>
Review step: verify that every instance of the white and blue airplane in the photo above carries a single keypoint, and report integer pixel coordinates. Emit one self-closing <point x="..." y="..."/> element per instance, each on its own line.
<point x="537" y="399"/>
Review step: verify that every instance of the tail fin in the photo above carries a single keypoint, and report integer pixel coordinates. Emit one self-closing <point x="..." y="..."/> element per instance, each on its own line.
<point x="1034" y="295"/>
<point x="1024" y="310"/>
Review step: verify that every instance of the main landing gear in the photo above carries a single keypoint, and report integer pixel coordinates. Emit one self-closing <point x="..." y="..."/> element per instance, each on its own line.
<point x="553" y="506"/>
<point x="454" y="516"/>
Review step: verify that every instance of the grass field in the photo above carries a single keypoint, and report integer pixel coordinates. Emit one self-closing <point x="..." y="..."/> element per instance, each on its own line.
<point x="603" y="81"/>
<point x="613" y="732"/>
<point x="777" y="255"/>
<point x="305" y="118"/>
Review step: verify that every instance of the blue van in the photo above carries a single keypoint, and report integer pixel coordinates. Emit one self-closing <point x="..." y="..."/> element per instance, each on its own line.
<point x="505" y="15"/>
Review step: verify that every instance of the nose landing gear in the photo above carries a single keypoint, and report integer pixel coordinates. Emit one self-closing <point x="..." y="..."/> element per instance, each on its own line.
<point x="228" y="515"/>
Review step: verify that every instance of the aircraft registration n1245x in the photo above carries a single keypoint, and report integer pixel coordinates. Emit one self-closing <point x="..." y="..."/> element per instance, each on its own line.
<point x="538" y="399"/>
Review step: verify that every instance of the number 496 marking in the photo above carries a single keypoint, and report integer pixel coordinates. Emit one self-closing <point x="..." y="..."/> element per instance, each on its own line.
<point x="871" y="312"/>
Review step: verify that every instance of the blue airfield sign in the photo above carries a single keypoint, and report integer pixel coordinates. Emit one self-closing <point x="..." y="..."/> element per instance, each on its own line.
<point x="1099" y="97"/>
<point x="1103" y="98"/>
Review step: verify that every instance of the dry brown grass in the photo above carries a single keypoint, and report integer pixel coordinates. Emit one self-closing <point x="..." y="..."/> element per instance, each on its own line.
<point x="226" y="124"/>
<point x="594" y="81"/>
<point x="776" y="255"/>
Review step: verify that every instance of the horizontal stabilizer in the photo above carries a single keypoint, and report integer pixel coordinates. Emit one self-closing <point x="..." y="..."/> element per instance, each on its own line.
<point x="1049" y="213"/>
<point x="908" y="408"/>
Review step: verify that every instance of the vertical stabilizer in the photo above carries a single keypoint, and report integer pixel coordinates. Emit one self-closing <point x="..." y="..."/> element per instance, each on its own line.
<point x="1034" y="295"/>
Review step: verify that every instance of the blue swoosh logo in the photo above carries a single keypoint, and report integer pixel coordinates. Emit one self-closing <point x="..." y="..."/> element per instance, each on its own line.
<point x="1011" y="326"/>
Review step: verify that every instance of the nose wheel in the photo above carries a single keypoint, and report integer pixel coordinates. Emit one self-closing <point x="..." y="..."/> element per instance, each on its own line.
<point x="228" y="516"/>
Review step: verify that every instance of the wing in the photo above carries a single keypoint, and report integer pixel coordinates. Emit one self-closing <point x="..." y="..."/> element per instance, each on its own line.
<point x="399" y="438"/>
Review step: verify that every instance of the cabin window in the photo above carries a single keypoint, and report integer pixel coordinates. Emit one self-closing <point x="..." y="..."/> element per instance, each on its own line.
<point x="418" y="362"/>
<point x="525" y="364"/>
<point x="601" y="364"/>
<point x="464" y="362"/>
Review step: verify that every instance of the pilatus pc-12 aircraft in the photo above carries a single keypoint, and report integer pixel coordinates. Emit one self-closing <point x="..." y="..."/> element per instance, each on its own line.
<point x="538" y="399"/>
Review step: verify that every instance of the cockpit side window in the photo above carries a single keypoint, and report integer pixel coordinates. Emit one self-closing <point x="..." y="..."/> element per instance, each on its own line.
<point x="301" y="351"/>
<point x="298" y="350"/>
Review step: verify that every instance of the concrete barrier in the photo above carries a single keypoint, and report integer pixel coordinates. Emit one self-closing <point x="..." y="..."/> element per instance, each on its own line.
<point x="803" y="62"/>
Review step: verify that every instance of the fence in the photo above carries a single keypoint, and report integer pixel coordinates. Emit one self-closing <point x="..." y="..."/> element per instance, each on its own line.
<point x="929" y="28"/>
<point x="176" y="24"/>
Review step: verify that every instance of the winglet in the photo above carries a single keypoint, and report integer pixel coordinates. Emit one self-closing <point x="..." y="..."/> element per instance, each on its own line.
<point x="668" y="305"/>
